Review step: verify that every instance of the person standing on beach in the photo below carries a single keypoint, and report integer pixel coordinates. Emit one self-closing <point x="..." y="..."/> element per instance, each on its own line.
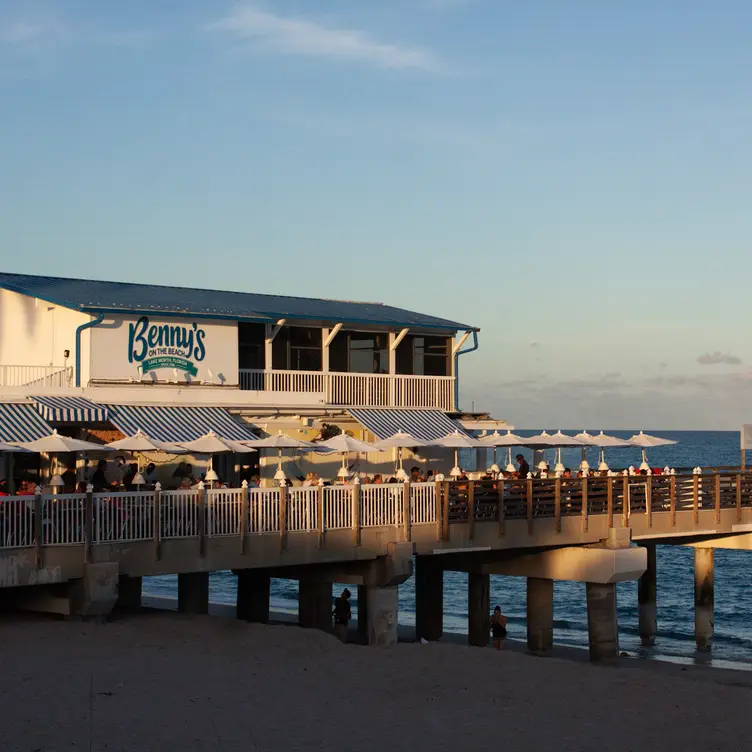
<point x="342" y="614"/>
<point x="498" y="628"/>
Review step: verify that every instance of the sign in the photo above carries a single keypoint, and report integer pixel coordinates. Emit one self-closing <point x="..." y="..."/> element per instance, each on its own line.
<point x="156" y="346"/>
<point x="147" y="347"/>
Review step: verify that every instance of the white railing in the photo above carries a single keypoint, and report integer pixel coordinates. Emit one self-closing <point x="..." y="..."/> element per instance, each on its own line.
<point x="381" y="504"/>
<point x="302" y="509"/>
<point x="123" y="516"/>
<point x="264" y="510"/>
<point x="63" y="519"/>
<point x="422" y="503"/>
<point x="338" y="507"/>
<point x="16" y="521"/>
<point x="37" y="376"/>
<point x="357" y="389"/>
<point x="179" y="514"/>
<point x="224" y="509"/>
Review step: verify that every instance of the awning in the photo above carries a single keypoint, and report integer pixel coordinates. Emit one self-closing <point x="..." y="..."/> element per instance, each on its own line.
<point x="70" y="410"/>
<point x="21" y="422"/>
<point x="176" y="424"/>
<point x="423" y="424"/>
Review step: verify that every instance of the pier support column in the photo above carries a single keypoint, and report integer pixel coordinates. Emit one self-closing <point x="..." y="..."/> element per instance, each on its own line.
<point x="603" y="622"/>
<point x="315" y="604"/>
<point x="253" y="595"/>
<point x="646" y="598"/>
<point x="363" y="613"/>
<point x="381" y="615"/>
<point x="193" y="593"/>
<point x="129" y="592"/>
<point x="540" y="615"/>
<point x="429" y="598"/>
<point x="704" y="596"/>
<point x="478" y="609"/>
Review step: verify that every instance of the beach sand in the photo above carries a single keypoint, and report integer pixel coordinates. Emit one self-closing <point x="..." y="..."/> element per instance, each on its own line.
<point x="165" y="681"/>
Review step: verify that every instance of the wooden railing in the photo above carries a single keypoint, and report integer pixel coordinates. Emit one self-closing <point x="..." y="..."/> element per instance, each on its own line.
<point x="36" y="376"/>
<point x="356" y="389"/>
<point x="93" y="519"/>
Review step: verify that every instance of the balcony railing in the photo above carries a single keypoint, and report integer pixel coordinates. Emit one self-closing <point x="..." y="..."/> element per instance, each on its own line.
<point x="36" y="376"/>
<point x="357" y="389"/>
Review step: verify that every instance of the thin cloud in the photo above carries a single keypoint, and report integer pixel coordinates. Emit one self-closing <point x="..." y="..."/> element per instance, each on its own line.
<point x="719" y="358"/>
<point x="22" y="32"/>
<point x="300" y="36"/>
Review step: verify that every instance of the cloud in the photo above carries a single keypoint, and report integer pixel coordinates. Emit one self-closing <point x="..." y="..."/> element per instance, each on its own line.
<point x="299" y="36"/>
<point x="22" y="32"/>
<point x="719" y="358"/>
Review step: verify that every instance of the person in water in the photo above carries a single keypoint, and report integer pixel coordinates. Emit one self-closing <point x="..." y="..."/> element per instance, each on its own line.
<point x="498" y="628"/>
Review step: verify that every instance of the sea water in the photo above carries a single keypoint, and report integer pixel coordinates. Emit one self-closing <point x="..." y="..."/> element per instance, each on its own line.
<point x="732" y="642"/>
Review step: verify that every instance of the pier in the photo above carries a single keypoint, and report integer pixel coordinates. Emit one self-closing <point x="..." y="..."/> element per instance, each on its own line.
<point x="80" y="554"/>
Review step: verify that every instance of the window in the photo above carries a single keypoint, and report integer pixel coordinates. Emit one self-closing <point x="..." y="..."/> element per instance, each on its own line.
<point x="251" y="342"/>
<point x="359" y="352"/>
<point x="297" y="348"/>
<point x="423" y="356"/>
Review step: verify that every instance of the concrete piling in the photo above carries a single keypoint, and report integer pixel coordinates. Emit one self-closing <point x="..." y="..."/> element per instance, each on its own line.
<point x="193" y="593"/>
<point x="253" y="595"/>
<point x="646" y="598"/>
<point x="540" y="615"/>
<point x="603" y="622"/>
<point x="315" y="604"/>
<point x="381" y="615"/>
<point x="129" y="592"/>
<point x="429" y="598"/>
<point x="478" y="609"/>
<point x="704" y="598"/>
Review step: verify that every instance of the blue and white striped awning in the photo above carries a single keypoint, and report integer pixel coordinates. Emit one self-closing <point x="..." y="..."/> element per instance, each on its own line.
<point x="423" y="424"/>
<point x="177" y="424"/>
<point x="70" y="410"/>
<point x="21" y="422"/>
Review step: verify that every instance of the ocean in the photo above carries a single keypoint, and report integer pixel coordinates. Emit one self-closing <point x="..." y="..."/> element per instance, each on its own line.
<point x="732" y="644"/>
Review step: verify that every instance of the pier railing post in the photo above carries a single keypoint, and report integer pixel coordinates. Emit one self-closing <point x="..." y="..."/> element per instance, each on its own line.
<point x="672" y="500"/>
<point x="500" y="507"/>
<point x="88" y="522"/>
<point x="282" y="515"/>
<point x="445" y="510"/>
<point x="529" y="502"/>
<point x="356" y="511"/>
<point x="156" y="521"/>
<point x="610" y="500"/>
<point x="321" y="515"/>
<point x="471" y="509"/>
<point x="38" y="531"/>
<point x="696" y="496"/>
<point x="201" y="518"/>
<point x="625" y="500"/>
<point x="717" y="498"/>
<point x="649" y="501"/>
<point x="438" y="486"/>
<point x="584" y="503"/>
<point x="738" y="497"/>
<point x="557" y="504"/>
<point x="245" y="503"/>
<point x="406" y="512"/>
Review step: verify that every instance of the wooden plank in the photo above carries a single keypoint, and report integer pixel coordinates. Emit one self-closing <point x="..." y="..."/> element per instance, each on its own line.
<point x="696" y="498"/>
<point x="500" y="508"/>
<point x="717" y="498"/>
<point x="584" y="510"/>
<point x="609" y="501"/>
<point x="738" y="497"/>
<point x="557" y="504"/>
<point x="471" y="510"/>
<point x="529" y="506"/>
<point x="672" y="500"/>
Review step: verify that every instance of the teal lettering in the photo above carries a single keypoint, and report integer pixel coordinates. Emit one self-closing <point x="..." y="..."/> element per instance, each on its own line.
<point x="136" y="338"/>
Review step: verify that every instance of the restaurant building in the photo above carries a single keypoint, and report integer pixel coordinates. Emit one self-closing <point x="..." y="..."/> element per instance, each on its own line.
<point x="109" y="358"/>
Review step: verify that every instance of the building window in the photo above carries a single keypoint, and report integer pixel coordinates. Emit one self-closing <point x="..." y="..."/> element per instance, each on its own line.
<point x="359" y="352"/>
<point x="251" y="343"/>
<point x="297" y="348"/>
<point x="423" y="356"/>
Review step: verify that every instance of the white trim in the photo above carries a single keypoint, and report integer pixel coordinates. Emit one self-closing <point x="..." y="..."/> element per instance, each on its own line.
<point x="456" y="346"/>
<point x="396" y="340"/>
<point x="333" y="332"/>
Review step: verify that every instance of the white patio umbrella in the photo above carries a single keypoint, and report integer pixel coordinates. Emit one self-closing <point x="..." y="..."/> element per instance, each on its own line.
<point x="11" y="448"/>
<point x="540" y="442"/>
<point x="400" y="440"/>
<point x="212" y="444"/>
<point x="139" y="443"/>
<point x="560" y="440"/>
<point x="457" y="440"/>
<point x="507" y="440"/>
<point x="55" y="443"/>
<point x="345" y="444"/>
<point x="602" y="441"/>
<point x="281" y="442"/>
<point x="646" y="441"/>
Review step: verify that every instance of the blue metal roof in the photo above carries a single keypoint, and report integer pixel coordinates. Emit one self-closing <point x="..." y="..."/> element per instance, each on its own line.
<point x="94" y="296"/>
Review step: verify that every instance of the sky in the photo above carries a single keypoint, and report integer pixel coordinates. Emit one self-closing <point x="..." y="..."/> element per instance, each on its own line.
<point x="572" y="178"/>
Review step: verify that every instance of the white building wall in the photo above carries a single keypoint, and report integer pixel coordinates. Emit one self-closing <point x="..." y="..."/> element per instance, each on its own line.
<point x="36" y="333"/>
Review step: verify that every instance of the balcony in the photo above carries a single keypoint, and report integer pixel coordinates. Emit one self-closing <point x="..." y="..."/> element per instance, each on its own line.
<point x="356" y="389"/>
<point x="36" y="376"/>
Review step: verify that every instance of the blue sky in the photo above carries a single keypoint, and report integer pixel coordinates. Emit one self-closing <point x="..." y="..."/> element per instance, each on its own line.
<point x="573" y="178"/>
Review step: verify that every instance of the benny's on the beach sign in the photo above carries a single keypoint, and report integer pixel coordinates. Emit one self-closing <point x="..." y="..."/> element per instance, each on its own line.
<point x="142" y="347"/>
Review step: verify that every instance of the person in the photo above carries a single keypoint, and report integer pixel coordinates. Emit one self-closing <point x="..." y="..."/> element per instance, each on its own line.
<point x="342" y="614"/>
<point x="498" y="628"/>
<point x="4" y="487"/>
<point x="130" y="474"/>
<point x="151" y="474"/>
<point x="180" y="471"/>
<point x="69" y="480"/>
<point x="255" y="482"/>
<point x="414" y="475"/>
<point x="523" y="467"/>
<point x="99" y="479"/>
<point x="378" y="479"/>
